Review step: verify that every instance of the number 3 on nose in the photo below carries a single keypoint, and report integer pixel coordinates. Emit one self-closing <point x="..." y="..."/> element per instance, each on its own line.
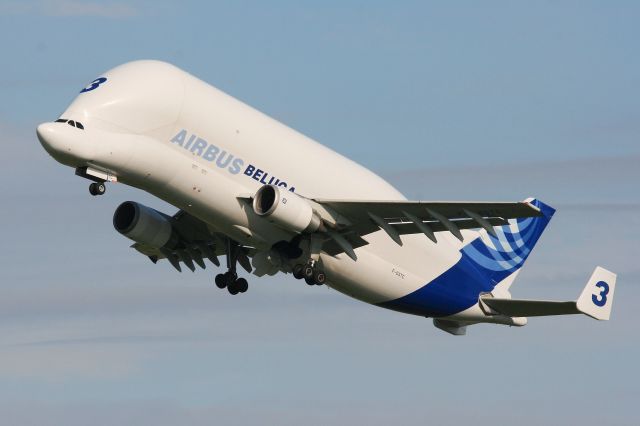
<point x="94" y="84"/>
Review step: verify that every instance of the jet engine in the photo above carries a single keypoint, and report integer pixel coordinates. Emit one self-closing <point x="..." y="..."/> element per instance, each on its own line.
<point x="144" y="225"/>
<point x="286" y="209"/>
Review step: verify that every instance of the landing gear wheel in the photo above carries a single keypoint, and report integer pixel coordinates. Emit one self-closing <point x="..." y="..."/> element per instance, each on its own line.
<point x="233" y="288"/>
<point x="229" y="278"/>
<point x="319" y="277"/>
<point x="242" y="285"/>
<point x="311" y="273"/>
<point x="221" y="282"/>
<point x="298" y="273"/>
<point x="97" y="188"/>
<point x="307" y="272"/>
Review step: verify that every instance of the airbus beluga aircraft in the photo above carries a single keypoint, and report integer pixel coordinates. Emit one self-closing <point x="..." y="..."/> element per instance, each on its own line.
<point x="272" y="200"/>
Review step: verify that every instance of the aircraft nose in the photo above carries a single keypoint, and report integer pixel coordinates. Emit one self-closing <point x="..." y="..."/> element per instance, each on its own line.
<point x="50" y="138"/>
<point x="66" y="144"/>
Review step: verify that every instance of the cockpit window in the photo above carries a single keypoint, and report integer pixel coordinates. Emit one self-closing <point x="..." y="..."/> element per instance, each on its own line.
<point x="71" y="123"/>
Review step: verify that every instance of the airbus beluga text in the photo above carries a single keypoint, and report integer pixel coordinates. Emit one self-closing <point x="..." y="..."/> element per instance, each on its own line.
<point x="236" y="176"/>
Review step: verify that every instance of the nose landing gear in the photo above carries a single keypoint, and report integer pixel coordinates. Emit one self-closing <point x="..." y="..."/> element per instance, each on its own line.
<point x="97" y="188"/>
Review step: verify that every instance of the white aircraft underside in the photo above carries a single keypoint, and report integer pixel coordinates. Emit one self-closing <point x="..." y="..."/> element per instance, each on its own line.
<point x="272" y="200"/>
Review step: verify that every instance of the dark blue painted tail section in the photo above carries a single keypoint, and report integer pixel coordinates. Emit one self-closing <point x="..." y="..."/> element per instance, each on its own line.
<point x="481" y="266"/>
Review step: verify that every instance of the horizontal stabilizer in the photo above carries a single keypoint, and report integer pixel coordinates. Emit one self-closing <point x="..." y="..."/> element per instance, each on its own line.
<point x="594" y="301"/>
<point x="531" y="308"/>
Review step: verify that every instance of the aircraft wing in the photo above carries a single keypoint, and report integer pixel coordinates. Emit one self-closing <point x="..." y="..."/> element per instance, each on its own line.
<point x="358" y="218"/>
<point x="195" y="243"/>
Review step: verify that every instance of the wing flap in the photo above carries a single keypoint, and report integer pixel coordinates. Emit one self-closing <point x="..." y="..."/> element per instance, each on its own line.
<point x="449" y="209"/>
<point x="404" y="228"/>
<point x="413" y="217"/>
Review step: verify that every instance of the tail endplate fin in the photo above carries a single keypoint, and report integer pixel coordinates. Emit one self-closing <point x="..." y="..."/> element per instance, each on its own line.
<point x="597" y="297"/>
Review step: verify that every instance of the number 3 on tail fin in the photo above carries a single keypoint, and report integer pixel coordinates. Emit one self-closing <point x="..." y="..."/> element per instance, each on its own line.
<point x="597" y="296"/>
<point x="601" y="299"/>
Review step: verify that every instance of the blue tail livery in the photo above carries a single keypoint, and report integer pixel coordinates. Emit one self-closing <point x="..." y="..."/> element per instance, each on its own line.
<point x="485" y="262"/>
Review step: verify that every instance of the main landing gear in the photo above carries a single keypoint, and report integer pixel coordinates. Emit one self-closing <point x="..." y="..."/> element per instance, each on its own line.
<point x="229" y="279"/>
<point x="311" y="273"/>
<point x="97" y="188"/>
<point x="231" y="282"/>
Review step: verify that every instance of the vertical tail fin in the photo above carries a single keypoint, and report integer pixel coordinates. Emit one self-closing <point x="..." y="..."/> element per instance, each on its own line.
<point x="501" y="255"/>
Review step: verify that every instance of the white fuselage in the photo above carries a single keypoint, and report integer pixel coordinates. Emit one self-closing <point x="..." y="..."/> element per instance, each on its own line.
<point x="160" y="129"/>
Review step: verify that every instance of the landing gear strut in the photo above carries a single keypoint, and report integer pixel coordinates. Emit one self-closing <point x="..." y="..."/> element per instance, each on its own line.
<point x="229" y="279"/>
<point x="97" y="188"/>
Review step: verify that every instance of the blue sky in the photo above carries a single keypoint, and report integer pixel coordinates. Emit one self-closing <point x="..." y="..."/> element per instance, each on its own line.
<point x="447" y="100"/>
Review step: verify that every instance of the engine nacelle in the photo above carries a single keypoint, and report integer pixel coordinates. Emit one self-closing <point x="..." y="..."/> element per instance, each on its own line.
<point x="143" y="225"/>
<point x="286" y="209"/>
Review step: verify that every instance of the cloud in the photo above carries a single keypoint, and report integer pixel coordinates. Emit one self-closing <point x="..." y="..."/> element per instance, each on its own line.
<point x="595" y="181"/>
<point x="95" y="361"/>
<point x="69" y="8"/>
